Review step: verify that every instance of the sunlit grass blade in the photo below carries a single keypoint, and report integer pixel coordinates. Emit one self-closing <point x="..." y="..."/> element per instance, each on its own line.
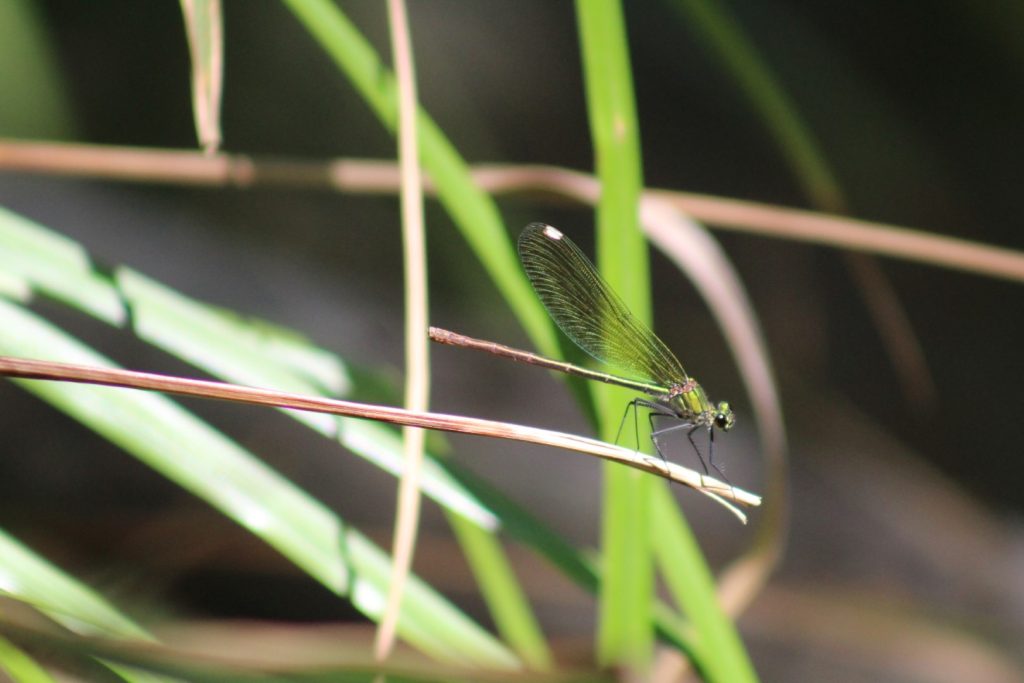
<point x="221" y="342"/>
<point x="50" y="262"/>
<point x="622" y="257"/>
<point x="187" y="451"/>
<point x="626" y="626"/>
<point x="36" y="97"/>
<point x="692" y="586"/>
<point x="29" y="578"/>
<point x="473" y="211"/>
<point x="240" y="351"/>
<point x="509" y="605"/>
<point x="249" y="352"/>
<point x="21" y="668"/>
<point x="13" y="287"/>
<point x="579" y="566"/>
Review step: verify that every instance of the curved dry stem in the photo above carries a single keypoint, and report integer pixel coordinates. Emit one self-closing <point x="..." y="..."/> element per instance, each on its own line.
<point x="149" y="165"/>
<point x="697" y="254"/>
<point x="129" y="379"/>
<point x="417" y="360"/>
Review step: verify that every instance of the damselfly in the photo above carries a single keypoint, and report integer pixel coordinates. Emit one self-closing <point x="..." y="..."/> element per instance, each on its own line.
<point x="596" y="320"/>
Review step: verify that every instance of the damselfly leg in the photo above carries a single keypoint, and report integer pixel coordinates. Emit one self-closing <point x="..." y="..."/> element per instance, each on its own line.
<point x="681" y="424"/>
<point x="657" y="410"/>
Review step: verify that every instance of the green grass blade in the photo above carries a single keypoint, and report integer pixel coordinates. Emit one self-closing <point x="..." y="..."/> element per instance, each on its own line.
<point x="19" y="666"/>
<point x="221" y="342"/>
<point x="428" y="620"/>
<point x="524" y="527"/>
<point x="57" y="265"/>
<point x="626" y="628"/>
<point x="722" y="35"/>
<point x="617" y="152"/>
<point x="577" y="566"/>
<point x="27" y="577"/>
<point x="187" y="451"/>
<point x="240" y="350"/>
<point x="350" y="666"/>
<point x="13" y="287"/>
<point x="473" y="211"/>
<point x="506" y="600"/>
<point x="35" y="96"/>
<point x="244" y="352"/>
<point x="163" y="435"/>
<point x="693" y="586"/>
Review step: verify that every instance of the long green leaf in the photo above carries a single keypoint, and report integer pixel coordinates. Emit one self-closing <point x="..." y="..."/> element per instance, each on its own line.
<point x="613" y="124"/>
<point x="626" y="628"/>
<point x="237" y="349"/>
<point x="348" y="666"/>
<point x="473" y="211"/>
<point x="27" y="577"/>
<point x="578" y="566"/>
<point x="715" y="26"/>
<point x="187" y="451"/>
<point x="35" y="96"/>
<point x="244" y="352"/>
<point x="54" y="264"/>
<point x="693" y="586"/>
<point x="223" y="343"/>
<point x="19" y="666"/>
<point x="508" y="604"/>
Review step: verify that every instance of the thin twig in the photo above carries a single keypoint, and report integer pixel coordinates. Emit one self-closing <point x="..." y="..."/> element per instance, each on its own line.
<point x="182" y="386"/>
<point x="137" y="164"/>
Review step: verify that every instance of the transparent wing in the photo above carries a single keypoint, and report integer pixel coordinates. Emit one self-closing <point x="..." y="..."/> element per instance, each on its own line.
<point x="588" y="311"/>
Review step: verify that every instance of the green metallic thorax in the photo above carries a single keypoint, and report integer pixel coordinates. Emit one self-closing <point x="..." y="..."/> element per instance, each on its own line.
<point x="692" y="402"/>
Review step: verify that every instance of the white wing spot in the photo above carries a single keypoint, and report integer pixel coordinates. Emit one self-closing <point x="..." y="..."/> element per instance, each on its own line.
<point x="552" y="232"/>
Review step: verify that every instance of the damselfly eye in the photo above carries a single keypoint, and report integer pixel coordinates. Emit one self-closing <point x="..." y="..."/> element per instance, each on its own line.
<point x="724" y="417"/>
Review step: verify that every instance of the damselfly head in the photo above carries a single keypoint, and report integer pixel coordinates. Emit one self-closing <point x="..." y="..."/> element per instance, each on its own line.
<point x="724" y="417"/>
